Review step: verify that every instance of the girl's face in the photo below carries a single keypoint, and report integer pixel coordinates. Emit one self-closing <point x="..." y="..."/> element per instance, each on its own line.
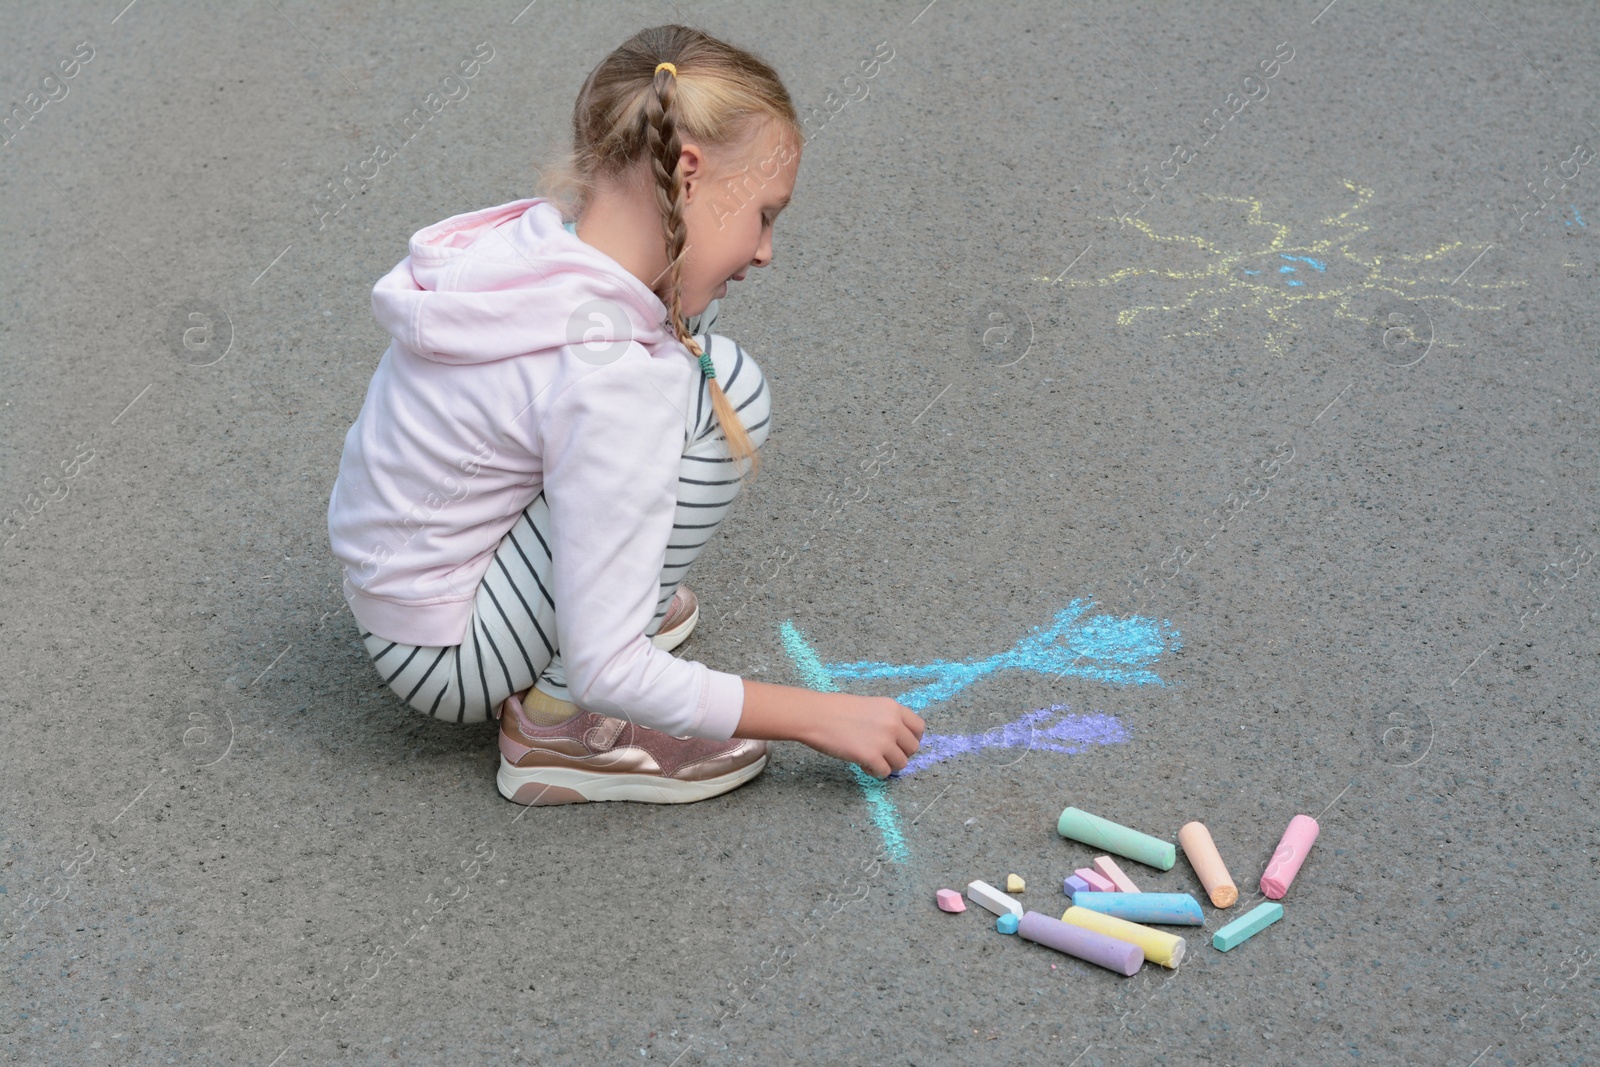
<point x="730" y="213"/>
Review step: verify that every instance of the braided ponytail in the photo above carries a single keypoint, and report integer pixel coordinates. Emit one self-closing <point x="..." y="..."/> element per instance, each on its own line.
<point x="660" y="129"/>
<point x="631" y="107"/>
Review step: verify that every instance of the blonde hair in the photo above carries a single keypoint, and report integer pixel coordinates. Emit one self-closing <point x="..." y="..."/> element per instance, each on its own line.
<point x="628" y="110"/>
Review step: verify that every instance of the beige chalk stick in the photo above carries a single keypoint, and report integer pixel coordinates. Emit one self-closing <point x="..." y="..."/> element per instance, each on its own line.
<point x="1108" y="869"/>
<point x="1015" y="884"/>
<point x="1207" y="863"/>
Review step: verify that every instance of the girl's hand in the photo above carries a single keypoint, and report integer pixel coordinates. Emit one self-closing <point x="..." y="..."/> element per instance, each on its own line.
<point x="873" y="732"/>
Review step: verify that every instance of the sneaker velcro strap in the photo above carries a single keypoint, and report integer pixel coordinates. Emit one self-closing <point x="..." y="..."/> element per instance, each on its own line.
<point x="604" y="734"/>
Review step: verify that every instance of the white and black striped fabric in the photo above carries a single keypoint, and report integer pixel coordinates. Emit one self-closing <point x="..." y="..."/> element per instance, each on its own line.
<point x="511" y="640"/>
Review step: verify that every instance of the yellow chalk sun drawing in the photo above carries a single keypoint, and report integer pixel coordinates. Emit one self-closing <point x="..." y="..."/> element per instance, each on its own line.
<point x="1285" y="273"/>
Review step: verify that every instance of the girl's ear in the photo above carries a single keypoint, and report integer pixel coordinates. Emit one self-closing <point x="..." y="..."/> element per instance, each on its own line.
<point x="692" y="168"/>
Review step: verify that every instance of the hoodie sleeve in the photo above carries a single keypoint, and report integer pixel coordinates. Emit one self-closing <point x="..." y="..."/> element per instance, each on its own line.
<point x="612" y="443"/>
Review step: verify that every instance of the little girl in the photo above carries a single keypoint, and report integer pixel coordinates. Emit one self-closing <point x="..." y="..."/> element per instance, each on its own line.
<point x="554" y="434"/>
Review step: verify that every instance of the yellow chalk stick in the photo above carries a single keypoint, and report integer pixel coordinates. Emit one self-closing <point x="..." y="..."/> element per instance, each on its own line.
<point x="1015" y="884"/>
<point x="1159" y="946"/>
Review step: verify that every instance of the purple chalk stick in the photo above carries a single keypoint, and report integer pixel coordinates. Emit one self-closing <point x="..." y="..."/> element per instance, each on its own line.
<point x="1073" y="884"/>
<point x="1107" y="952"/>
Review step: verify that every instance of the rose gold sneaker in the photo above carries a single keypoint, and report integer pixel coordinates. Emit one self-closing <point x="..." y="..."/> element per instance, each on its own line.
<point x="594" y="757"/>
<point x="682" y="613"/>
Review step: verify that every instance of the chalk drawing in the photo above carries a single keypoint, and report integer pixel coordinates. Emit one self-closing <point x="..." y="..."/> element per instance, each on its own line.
<point x="1229" y="281"/>
<point x="1077" y="731"/>
<point x="880" y="807"/>
<point x="1104" y="648"/>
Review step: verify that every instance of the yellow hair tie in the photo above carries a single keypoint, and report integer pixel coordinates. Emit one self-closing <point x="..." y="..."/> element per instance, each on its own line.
<point x="669" y="66"/>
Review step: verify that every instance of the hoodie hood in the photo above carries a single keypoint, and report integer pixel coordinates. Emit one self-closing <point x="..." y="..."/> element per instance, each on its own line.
<point x="511" y="281"/>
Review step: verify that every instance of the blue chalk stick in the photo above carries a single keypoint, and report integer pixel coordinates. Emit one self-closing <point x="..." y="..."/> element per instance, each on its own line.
<point x="1166" y="909"/>
<point x="1073" y="884"/>
<point x="1007" y="923"/>
<point x="1248" y="925"/>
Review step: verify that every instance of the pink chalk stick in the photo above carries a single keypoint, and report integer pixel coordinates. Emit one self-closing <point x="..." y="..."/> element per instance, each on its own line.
<point x="1106" y="866"/>
<point x="1097" y="881"/>
<point x="1291" y="853"/>
<point x="950" y="900"/>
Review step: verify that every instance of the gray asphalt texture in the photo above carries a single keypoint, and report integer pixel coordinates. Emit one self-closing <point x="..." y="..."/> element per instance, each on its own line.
<point x="1367" y="503"/>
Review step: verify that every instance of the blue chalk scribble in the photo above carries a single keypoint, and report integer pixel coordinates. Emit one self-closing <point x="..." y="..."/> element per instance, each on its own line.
<point x="1103" y="647"/>
<point x="1317" y="263"/>
<point x="880" y="806"/>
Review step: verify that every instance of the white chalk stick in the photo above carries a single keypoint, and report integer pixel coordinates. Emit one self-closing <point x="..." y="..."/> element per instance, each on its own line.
<point x="987" y="896"/>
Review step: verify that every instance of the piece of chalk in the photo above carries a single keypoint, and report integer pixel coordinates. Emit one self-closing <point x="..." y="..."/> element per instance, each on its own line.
<point x="1248" y="925"/>
<point x="1015" y="884"/>
<point x="1108" y="952"/>
<point x="987" y="896"/>
<point x="1166" y="909"/>
<point x="1291" y="853"/>
<point x="950" y="900"/>
<point x="1112" y="837"/>
<point x="1158" y="945"/>
<point x="1006" y="924"/>
<point x="1108" y="867"/>
<point x="1073" y="884"/>
<point x="1095" y="880"/>
<point x="1207" y="863"/>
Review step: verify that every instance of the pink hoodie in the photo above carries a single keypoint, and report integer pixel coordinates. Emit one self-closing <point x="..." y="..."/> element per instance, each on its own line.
<point x="484" y="398"/>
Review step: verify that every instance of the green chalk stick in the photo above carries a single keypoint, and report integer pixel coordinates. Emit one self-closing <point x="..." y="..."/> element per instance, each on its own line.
<point x="1248" y="925"/>
<point x="1107" y="835"/>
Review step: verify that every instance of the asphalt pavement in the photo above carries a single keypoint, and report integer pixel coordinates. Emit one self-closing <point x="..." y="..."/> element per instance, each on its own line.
<point x="1190" y="409"/>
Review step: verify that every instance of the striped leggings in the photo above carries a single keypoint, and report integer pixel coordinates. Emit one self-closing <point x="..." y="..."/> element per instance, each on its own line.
<point x="510" y="641"/>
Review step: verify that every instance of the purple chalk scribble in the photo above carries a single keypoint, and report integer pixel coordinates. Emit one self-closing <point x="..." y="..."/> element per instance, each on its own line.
<point x="1077" y="731"/>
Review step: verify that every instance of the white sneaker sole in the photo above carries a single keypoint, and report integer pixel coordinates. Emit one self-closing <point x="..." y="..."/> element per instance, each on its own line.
<point x="563" y="785"/>
<point x="667" y="640"/>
